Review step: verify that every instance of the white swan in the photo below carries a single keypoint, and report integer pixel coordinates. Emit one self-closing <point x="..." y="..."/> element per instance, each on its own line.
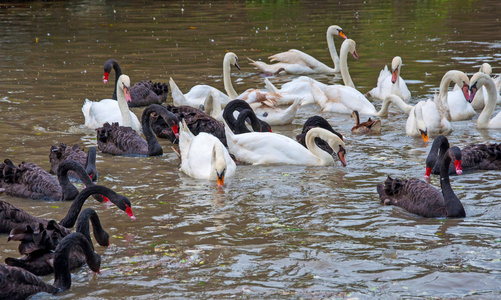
<point x="212" y="105"/>
<point x="197" y="94"/>
<point x="477" y="81"/>
<point x="455" y="103"/>
<point x="274" y="115"/>
<point x="109" y="110"/>
<point x="391" y="82"/>
<point x="204" y="156"/>
<point x="271" y="148"/>
<point x="481" y="97"/>
<point x="298" y="62"/>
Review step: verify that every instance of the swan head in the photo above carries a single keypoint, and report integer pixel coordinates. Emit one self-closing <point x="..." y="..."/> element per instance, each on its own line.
<point x="333" y="140"/>
<point x="476" y="82"/>
<point x="458" y="78"/>
<point x="486" y="68"/>
<point x="455" y="154"/>
<point x="396" y="63"/>
<point x="123" y="84"/>
<point x="336" y="30"/>
<point x="219" y="163"/>
<point x="420" y="124"/>
<point x="232" y="59"/>
<point x="351" y="47"/>
<point x="108" y="65"/>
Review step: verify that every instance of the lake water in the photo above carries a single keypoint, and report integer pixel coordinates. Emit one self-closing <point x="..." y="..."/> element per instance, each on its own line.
<point x="272" y="231"/>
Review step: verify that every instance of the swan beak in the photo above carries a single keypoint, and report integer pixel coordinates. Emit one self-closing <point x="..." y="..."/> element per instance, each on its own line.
<point x="355" y="54"/>
<point x="105" y="77"/>
<point x="459" y="169"/>
<point x="341" y="154"/>
<point x="473" y="91"/>
<point x="129" y="212"/>
<point x="127" y="94"/>
<point x="175" y="129"/>
<point x="394" y="75"/>
<point x="466" y="92"/>
<point x="238" y="67"/>
<point x="341" y="34"/>
<point x="220" y="178"/>
<point x="425" y="137"/>
<point x="427" y="174"/>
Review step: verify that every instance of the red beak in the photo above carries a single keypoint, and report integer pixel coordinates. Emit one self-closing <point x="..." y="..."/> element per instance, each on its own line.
<point x="459" y="169"/>
<point x="105" y="77"/>
<point x="129" y="212"/>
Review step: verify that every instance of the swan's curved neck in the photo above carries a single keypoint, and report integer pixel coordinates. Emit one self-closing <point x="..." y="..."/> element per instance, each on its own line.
<point x="123" y="106"/>
<point x="69" y="220"/>
<point x="322" y="155"/>
<point x="490" y="105"/>
<point x="332" y="49"/>
<point x="154" y="148"/>
<point x="212" y="104"/>
<point x="118" y="73"/>
<point x="343" y="65"/>
<point x="228" y="85"/>
<point x="396" y="100"/>
<point x="453" y="206"/>
<point x="69" y="190"/>
<point x="83" y="227"/>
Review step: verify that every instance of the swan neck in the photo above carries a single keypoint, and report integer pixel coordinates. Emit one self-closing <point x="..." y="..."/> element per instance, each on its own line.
<point x="118" y="73"/>
<point x="154" y="147"/>
<point x="453" y="206"/>
<point x="69" y="220"/>
<point x="100" y="234"/>
<point x="324" y="157"/>
<point x="228" y="85"/>
<point x="343" y="66"/>
<point x="124" y="108"/>
<point x="490" y="104"/>
<point x="69" y="191"/>
<point x="332" y="49"/>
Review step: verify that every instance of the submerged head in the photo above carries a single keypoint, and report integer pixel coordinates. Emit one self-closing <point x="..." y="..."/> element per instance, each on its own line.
<point x="396" y="63"/>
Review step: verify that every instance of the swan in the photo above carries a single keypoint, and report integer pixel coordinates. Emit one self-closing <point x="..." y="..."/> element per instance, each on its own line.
<point x="476" y="82"/>
<point x="455" y="103"/>
<point x="366" y="127"/>
<point x="120" y="140"/>
<point x="60" y="153"/>
<point x="479" y="101"/>
<point x="142" y="93"/>
<point x="18" y="283"/>
<point x="197" y="95"/>
<point x="204" y="156"/>
<point x="12" y="217"/>
<point x="271" y="148"/>
<point x="390" y="82"/>
<point x="420" y="198"/>
<point x="245" y="112"/>
<point x="276" y="116"/>
<point x="109" y="110"/>
<point x="298" y="62"/>
<point x="38" y="245"/>
<point x="212" y="106"/>
<point x="471" y="157"/>
<point x="197" y="121"/>
<point x="313" y="122"/>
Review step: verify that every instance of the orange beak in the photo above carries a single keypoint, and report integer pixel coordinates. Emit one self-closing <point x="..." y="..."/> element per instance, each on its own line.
<point x="220" y="180"/>
<point x="340" y="154"/>
<point x="425" y="137"/>
<point x="394" y="75"/>
<point x="341" y="34"/>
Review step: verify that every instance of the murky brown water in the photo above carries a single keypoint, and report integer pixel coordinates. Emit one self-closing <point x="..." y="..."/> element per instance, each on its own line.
<point x="273" y="231"/>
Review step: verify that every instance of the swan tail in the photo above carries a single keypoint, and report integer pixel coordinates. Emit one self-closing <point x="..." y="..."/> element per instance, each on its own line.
<point x="178" y="97"/>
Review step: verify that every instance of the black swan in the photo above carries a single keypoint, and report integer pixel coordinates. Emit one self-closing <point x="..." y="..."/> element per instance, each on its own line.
<point x="197" y="121"/>
<point x="238" y="125"/>
<point x="435" y="157"/>
<point x="120" y="140"/>
<point x="369" y="126"/>
<point x="471" y="157"/>
<point x="30" y="181"/>
<point x="12" y="217"/>
<point x="38" y="246"/>
<point x="142" y="93"/>
<point x="60" y="153"/>
<point x="317" y="121"/>
<point x="421" y="198"/>
<point x="18" y="283"/>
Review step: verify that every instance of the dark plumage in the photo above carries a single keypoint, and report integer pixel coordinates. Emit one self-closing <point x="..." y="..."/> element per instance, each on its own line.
<point x="365" y="127"/>
<point x="120" y="140"/>
<point x="30" y="181"/>
<point x="317" y="121"/>
<point x="471" y="157"/>
<point x="421" y="198"/>
<point x="38" y="246"/>
<point x="12" y="217"/>
<point x="60" y="153"/>
<point x="17" y="283"/>
<point x="245" y="114"/>
<point x="197" y="121"/>
<point x="142" y="93"/>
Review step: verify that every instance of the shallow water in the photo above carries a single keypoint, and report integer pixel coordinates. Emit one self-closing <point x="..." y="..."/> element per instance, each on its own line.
<point x="272" y="231"/>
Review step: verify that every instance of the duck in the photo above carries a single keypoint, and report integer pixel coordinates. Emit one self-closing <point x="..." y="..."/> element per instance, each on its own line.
<point x="38" y="245"/>
<point x="62" y="152"/>
<point x="245" y="113"/>
<point x="18" y="283"/>
<point x="120" y="140"/>
<point x="259" y="148"/>
<point x="142" y="93"/>
<point x="471" y="157"/>
<point x="27" y="180"/>
<point x="297" y="62"/>
<point x="390" y="82"/>
<point x="313" y="122"/>
<point x="421" y="198"/>
<point x="197" y="121"/>
<point x="109" y="110"/>
<point x="484" y="120"/>
<point x="197" y="94"/>
<point x="204" y="156"/>
<point x="12" y="217"/>
<point x="366" y="127"/>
